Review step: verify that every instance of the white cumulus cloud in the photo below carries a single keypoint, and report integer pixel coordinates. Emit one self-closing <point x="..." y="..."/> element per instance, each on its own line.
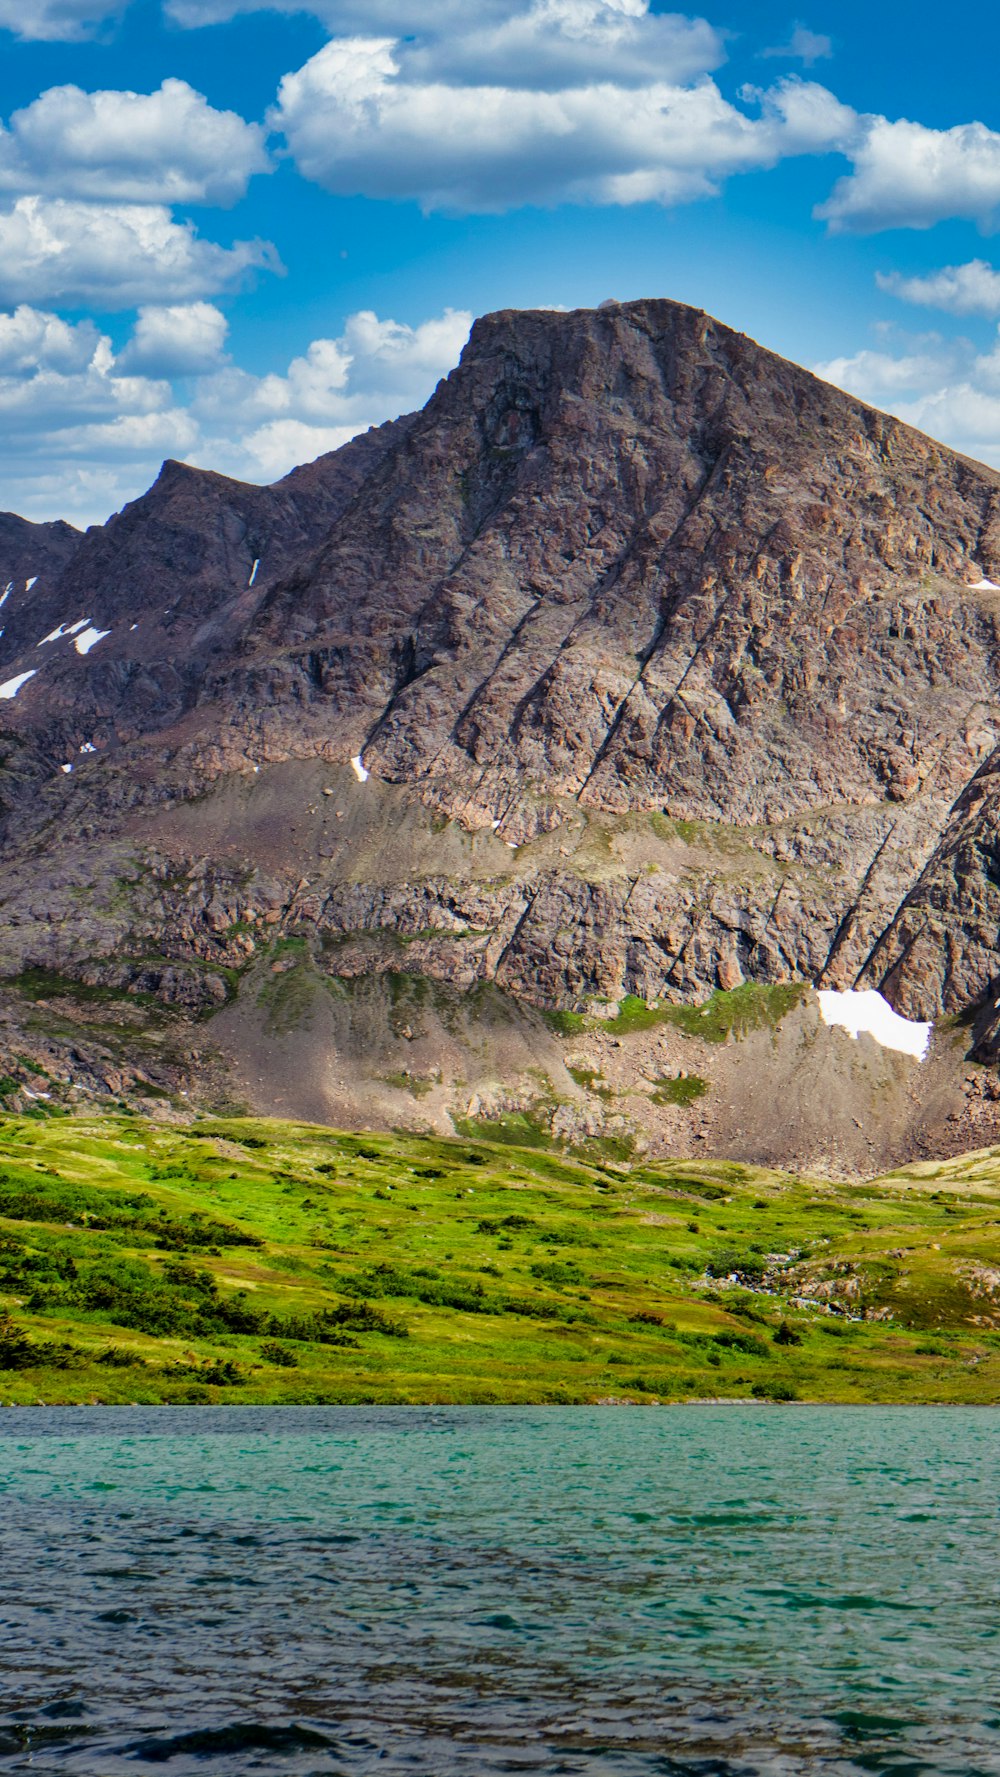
<point x="260" y="427"/>
<point x="184" y="339"/>
<point x="970" y="289"/>
<point x="357" y="122"/>
<point x="946" y="388"/>
<point x="168" y="146"/>
<point x="83" y="428"/>
<point x="116" y="255"/>
<point x="549" y="43"/>
<point x="31" y="340"/>
<point x="73" y="425"/>
<point x="908" y="176"/>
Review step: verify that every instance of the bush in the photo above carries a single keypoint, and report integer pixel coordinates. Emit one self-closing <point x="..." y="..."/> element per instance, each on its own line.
<point x="493" y="1224"/>
<point x="747" y="1266"/>
<point x="54" y="1200"/>
<point x="17" y="1350"/>
<point x="273" y="1353"/>
<point x="118" y="1357"/>
<point x="219" y="1372"/>
<point x="787" y="1335"/>
<point x="553" y="1271"/>
<point x="745" y="1342"/>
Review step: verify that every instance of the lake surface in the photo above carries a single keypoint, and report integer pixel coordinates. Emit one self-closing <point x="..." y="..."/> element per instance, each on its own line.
<point x="713" y="1590"/>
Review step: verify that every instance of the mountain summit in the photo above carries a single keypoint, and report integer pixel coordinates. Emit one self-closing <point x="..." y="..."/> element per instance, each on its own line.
<point x="665" y="668"/>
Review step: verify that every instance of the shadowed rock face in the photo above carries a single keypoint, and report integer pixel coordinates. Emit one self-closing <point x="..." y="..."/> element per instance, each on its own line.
<point x="696" y="656"/>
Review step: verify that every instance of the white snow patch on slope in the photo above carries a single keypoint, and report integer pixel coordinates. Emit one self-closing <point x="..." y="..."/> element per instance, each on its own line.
<point x="869" y="1012"/>
<point x="64" y="629"/>
<point x="89" y="639"/>
<point x="984" y="585"/>
<point x="253" y="575"/>
<point x="28" y="584"/>
<point x="5" y="594"/>
<point x="11" y="687"/>
<point x="88" y="747"/>
<point x="65" y="768"/>
<point x="359" y="770"/>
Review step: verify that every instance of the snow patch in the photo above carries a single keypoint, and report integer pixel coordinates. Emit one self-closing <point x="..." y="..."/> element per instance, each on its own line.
<point x="359" y="771"/>
<point x="253" y="574"/>
<point x="88" y="747"/>
<point x="65" y="768"/>
<point x="869" y="1012"/>
<point x="11" y="687"/>
<point x="5" y="594"/>
<point x="494" y="825"/>
<point x="28" y="584"/>
<point x="984" y="585"/>
<point x="89" y="639"/>
<point x="64" y="629"/>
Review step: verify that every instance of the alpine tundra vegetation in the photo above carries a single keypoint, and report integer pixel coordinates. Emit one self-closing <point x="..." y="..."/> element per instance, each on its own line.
<point x="246" y="1260"/>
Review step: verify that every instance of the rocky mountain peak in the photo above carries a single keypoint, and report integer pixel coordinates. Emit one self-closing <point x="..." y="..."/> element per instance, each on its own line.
<point x="692" y="659"/>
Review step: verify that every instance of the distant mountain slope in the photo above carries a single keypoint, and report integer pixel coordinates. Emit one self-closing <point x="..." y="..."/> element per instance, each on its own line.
<point x="666" y="661"/>
<point x="28" y="551"/>
<point x="172" y="583"/>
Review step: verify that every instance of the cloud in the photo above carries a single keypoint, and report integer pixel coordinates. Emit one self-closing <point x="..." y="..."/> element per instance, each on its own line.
<point x="803" y="46"/>
<point x="52" y="21"/>
<point x="83" y="428"/>
<point x="885" y="379"/>
<point x="944" y="387"/>
<point x="550" y="43"/>
<point x="73" y="425"/>
<point x="186" y="339"/>
<point x="168" y="147"/>
<point x="908" y="176"/>
<point x="31" y="341"/>
<point x="358" y="123"/>
<point x="971" y="289"/>
<point x="114" y="255"/>
<point x="373" y="371"/>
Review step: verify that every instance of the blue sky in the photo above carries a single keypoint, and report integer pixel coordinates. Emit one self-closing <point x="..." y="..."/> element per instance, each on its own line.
<point x="237" y="233"/>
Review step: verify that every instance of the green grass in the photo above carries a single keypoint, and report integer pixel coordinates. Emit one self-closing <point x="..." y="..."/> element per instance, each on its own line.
<point x="754" y="1005"/>
<point x="245" y="1260"/>
<point x="681" y="1089"/>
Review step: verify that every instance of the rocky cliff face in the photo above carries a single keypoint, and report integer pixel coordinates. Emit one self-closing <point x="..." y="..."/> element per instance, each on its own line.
<point x="672" y="668"/>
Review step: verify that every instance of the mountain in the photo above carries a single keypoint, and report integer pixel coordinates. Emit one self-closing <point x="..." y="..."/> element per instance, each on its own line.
<point x="668" y="669"/>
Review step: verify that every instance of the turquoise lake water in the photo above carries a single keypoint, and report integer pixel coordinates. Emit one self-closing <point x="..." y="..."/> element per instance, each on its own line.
<point x="713" y="1590"/>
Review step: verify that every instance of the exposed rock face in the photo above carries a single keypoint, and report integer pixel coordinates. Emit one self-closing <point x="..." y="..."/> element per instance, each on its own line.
<point x="672" y="668"/>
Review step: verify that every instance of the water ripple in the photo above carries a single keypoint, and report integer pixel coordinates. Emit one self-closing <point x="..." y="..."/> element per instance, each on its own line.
<point x="723" y="1592"/>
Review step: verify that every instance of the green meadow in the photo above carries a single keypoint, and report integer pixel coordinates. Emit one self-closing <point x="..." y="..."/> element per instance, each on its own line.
<point x="254" y="1261"/>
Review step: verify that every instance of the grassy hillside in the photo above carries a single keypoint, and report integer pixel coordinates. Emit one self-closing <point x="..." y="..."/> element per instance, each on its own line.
<point x="242" y="1260"/>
